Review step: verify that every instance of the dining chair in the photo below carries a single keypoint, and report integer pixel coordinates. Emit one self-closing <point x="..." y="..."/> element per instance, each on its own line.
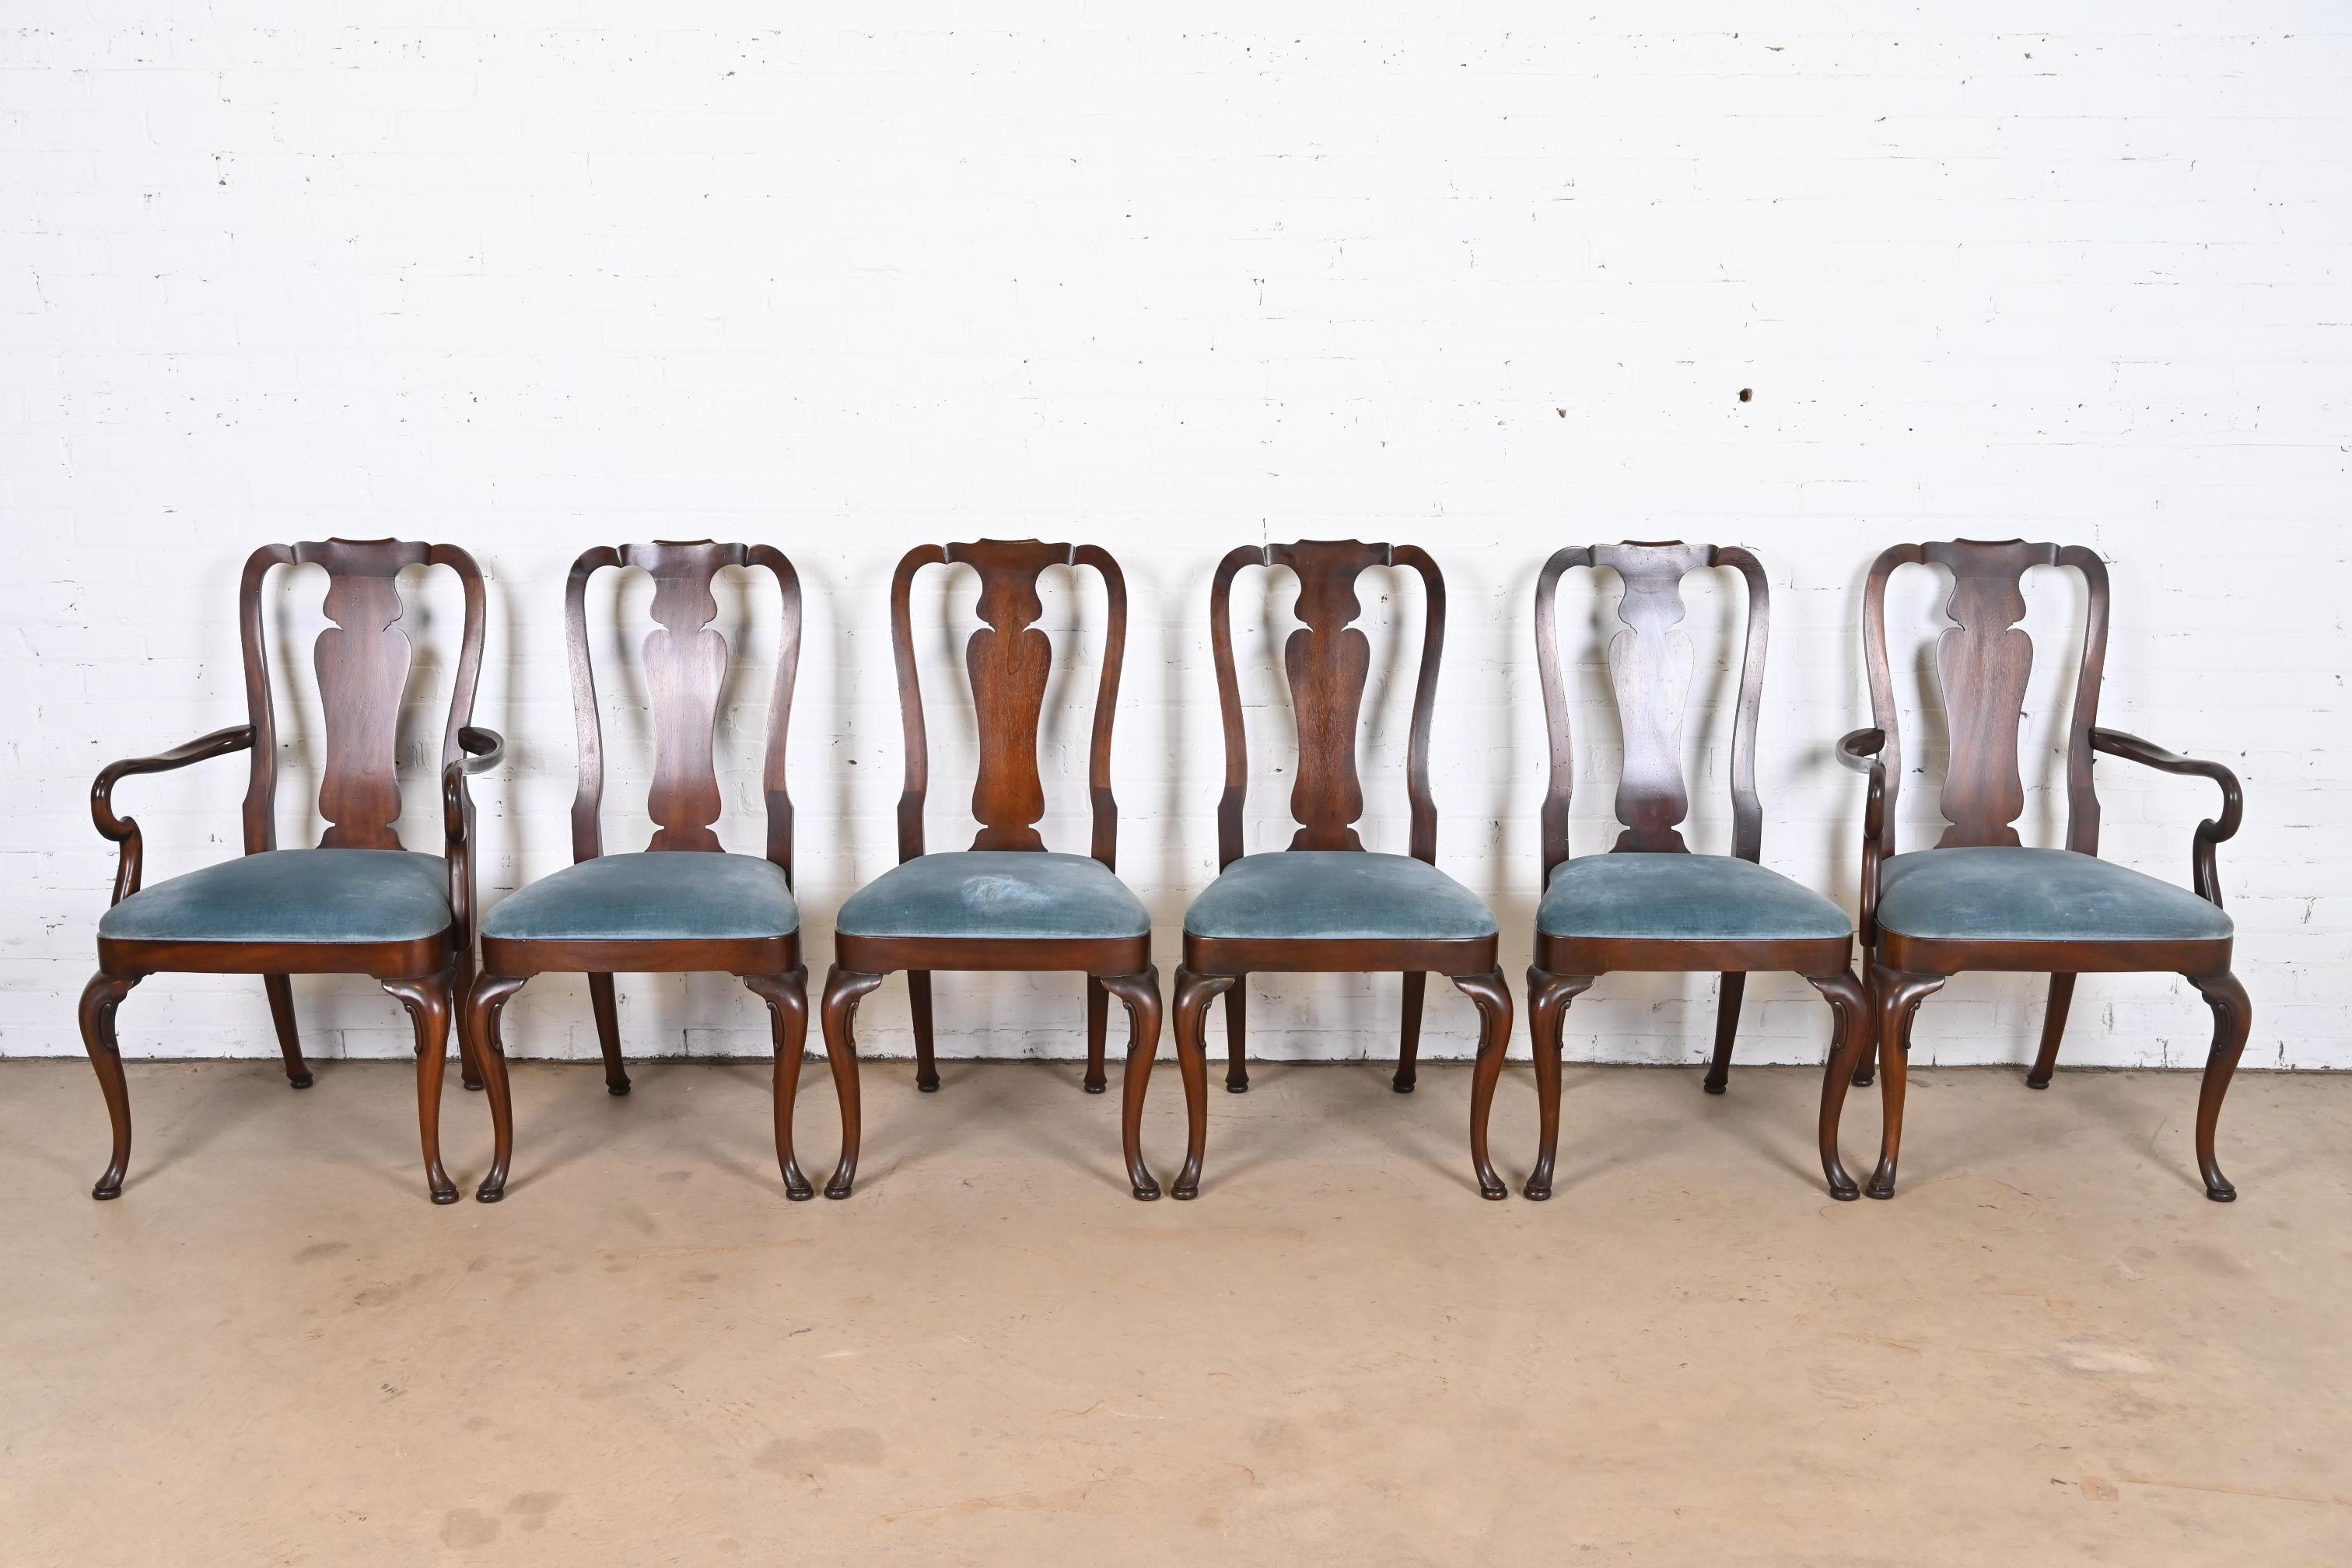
<point x="683" y="904"/>
<point x="1007" y="903"/>
<point x="359" y="903"/>
<point x="1326" y="904"/>
<point x="1650" y="904"/>
<point x="1981" y="898"/>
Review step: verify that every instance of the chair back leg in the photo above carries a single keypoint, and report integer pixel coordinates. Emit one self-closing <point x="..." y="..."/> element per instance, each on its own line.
<point x="919" y="1007"/>
<point x="461" y="986"/>
<point x="1237" y="1036"/>
<point x="1417" y="986"/>
<point x="1098" y="1034"/>
<point x="280" y="988"/>
<point x="602" y="1002"/>
<point x="1732" y="988"/>
<point x="2054" y="1028"/>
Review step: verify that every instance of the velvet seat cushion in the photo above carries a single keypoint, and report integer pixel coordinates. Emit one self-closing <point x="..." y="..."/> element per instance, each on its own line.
<point x="293" y="895"/>
<point x="2008" y="894"/>
<point x="1022" y="894"/>
<point x="1338" y="895"/>
<point x="1684" y="898"/>
<point x="670" y="895"/>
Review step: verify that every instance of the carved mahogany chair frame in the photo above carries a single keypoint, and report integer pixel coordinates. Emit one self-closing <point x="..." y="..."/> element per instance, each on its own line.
<point x="1652" y="801"/>
<point x="1328" y="661"/>
<point x="1984" y="661"/>
<point x="685" y="660"/>
<point x="363" y="662"/>
<point x="1009" y="661"/>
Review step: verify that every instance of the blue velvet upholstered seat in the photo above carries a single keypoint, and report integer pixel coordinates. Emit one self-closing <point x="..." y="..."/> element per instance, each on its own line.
<point x="670" y="895"/>
<point x="1341" y="895"/>
<point x="1014" y="893"/>
<point x="1684" y="898"/>
<point x="2008" y="894"/>
<point x="292" y="895"/>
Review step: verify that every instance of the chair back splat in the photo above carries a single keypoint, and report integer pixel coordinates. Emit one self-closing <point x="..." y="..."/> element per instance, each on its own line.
<point x="1649" y="667"/>
<point x="363" y="661"/>
<point x="1328" y="661"/>
<point x="1982" y="664"/>
<point x="1009" y="661"/>
<point x="685" y="661"/>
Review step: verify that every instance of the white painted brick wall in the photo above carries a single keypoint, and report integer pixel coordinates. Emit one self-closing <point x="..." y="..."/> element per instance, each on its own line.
<point x="1485" y="277"/>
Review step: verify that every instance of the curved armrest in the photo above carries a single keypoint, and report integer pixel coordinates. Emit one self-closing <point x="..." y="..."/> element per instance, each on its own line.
<point x="484" y="748"/>
<point x="1859" y="749"/>
<point x="124" y="830"/>
<point x="2204" y="868"/>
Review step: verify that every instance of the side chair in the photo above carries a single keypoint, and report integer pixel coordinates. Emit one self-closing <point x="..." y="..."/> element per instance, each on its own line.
<point x="1007" y="903"/>
<point x="683" y="904"/>
<point x="359" y="903"/>
<point x="1327" y="904"/>
<point x="1981" y="900"/>
<point x="1650" y="904"/>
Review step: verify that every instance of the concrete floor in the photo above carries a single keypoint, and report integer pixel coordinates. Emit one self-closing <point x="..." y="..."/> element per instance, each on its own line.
<point x="2049" y="1348"/>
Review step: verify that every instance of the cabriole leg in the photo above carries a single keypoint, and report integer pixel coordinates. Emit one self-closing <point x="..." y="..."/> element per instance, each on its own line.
<point x="1897" y="995"/>
<point x="843" y="988"/>
<point x="485" y="1006"/>
<point x="2233" y="1018"/>
<point x="1494" y="1000"/>
<point x="430" y="1004"/>
<point x="1140" y="994"/>
<point x="1194" y="993"/>
<point x="1850" y="1008"/>
<point x="99" y="998"/>
<point x="787" y="998"/>
<point x="1548" y="995"/>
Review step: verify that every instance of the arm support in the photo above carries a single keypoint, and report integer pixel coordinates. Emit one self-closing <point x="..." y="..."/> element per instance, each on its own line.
<point x="2204" y="869"/>
<point x="1860" y="750"/>
<point x="484" y="748"/>
<point x="124" y="830"/>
